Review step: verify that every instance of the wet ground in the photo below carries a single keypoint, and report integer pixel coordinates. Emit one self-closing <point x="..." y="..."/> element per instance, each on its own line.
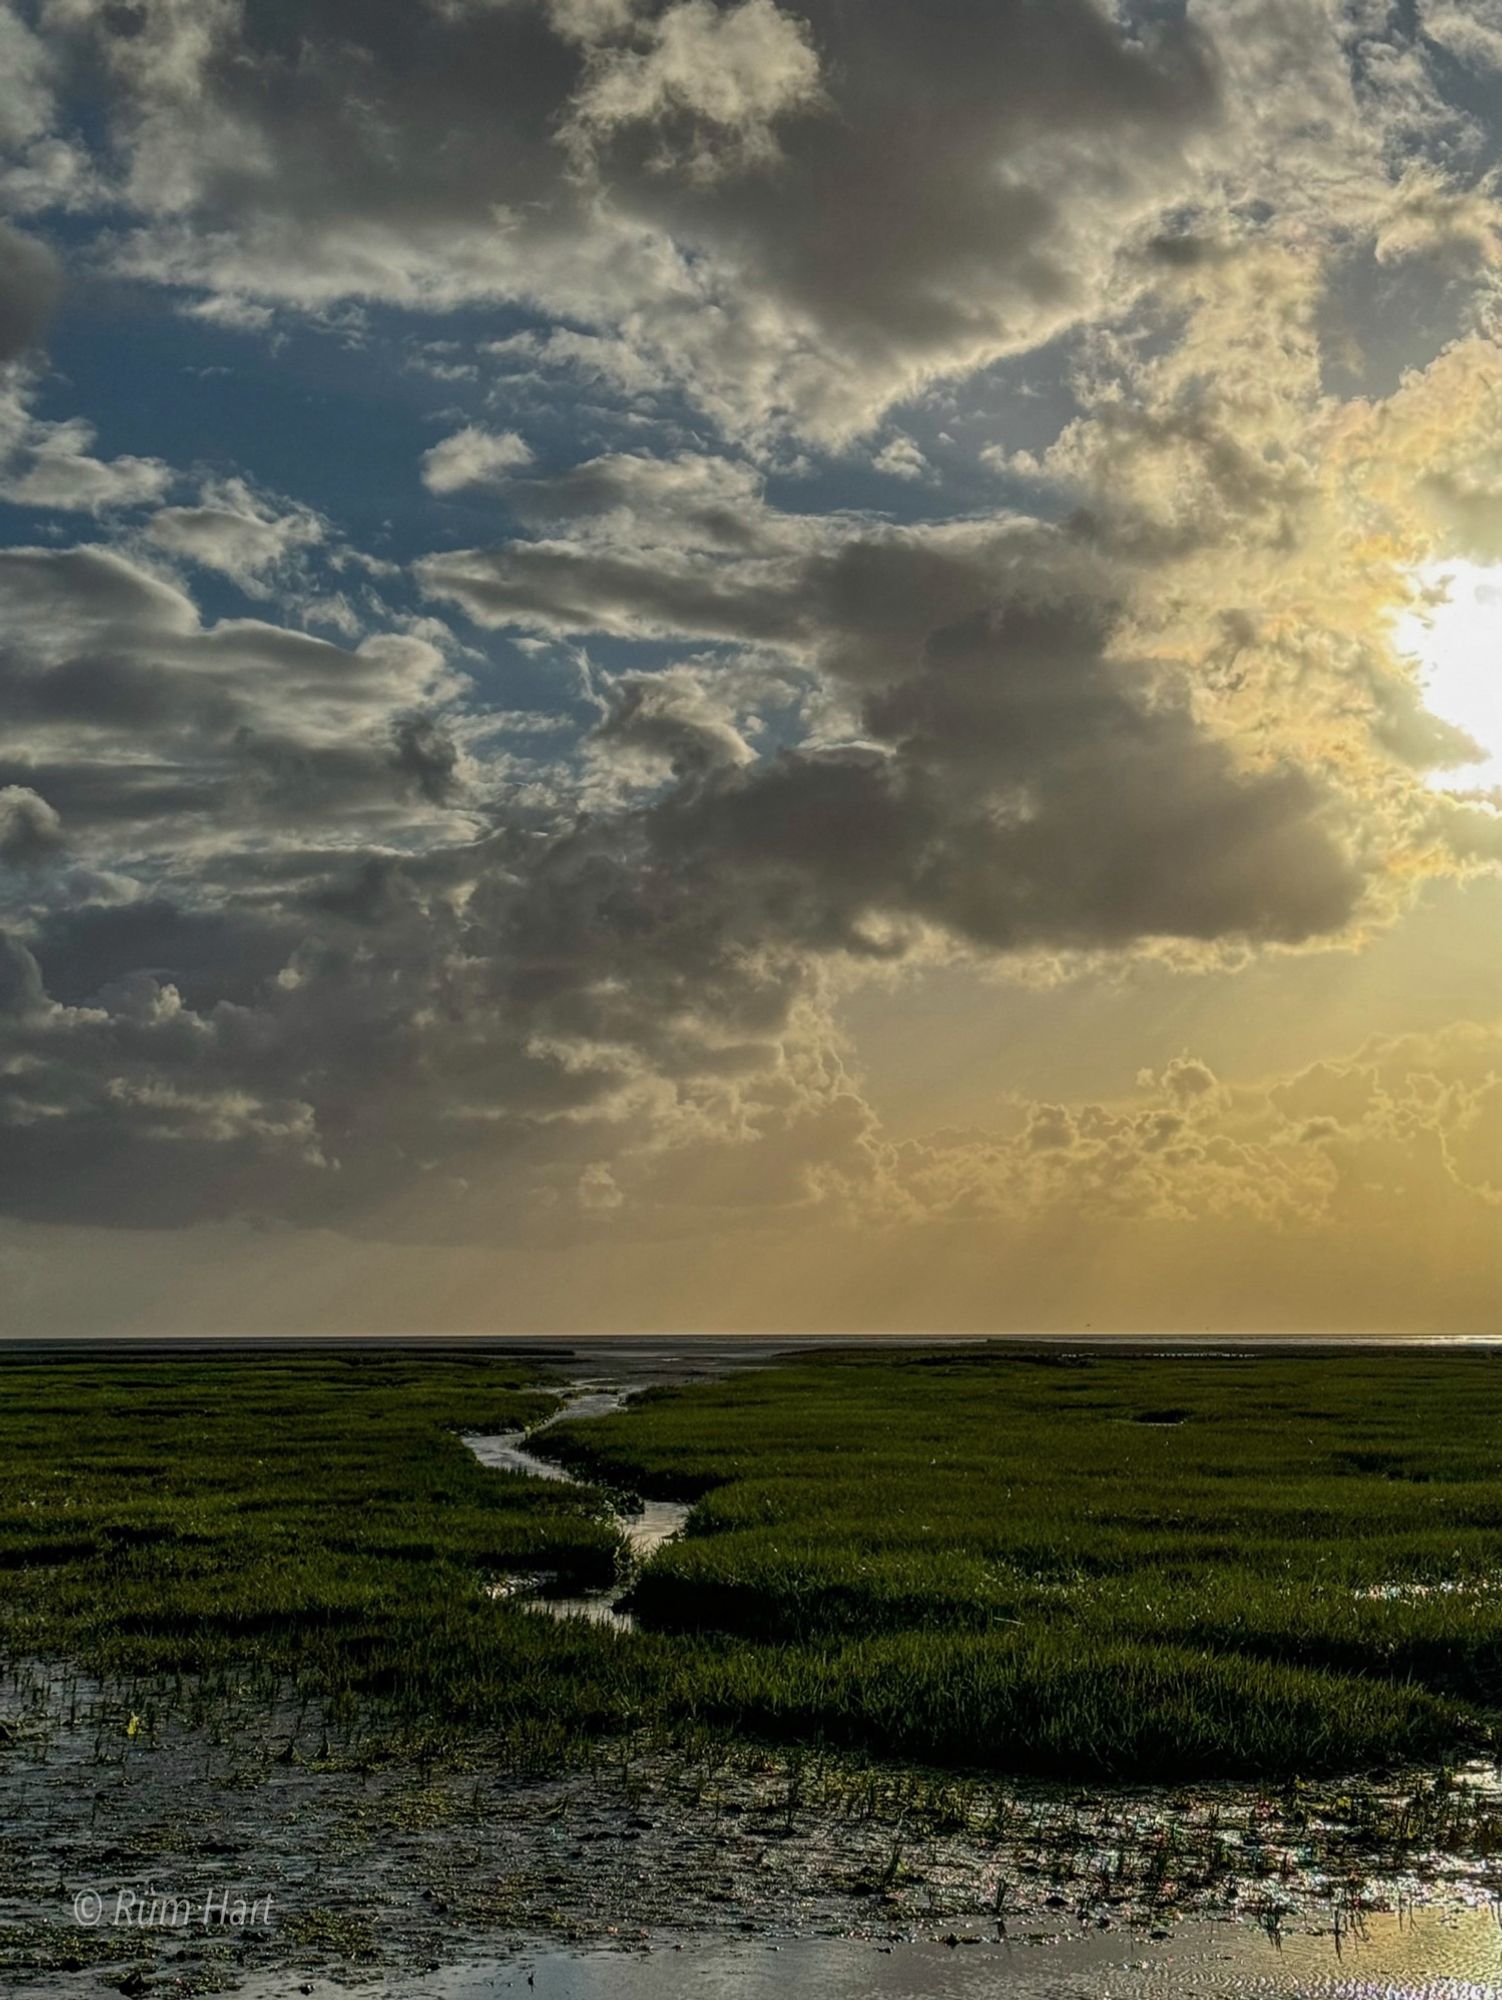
<point x="1418" y="1958"/>
<point x="1423" y="1958"/>
<point x="730" y="1873"/>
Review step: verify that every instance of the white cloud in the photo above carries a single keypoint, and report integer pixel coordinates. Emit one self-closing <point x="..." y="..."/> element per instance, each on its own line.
<point x="30" y="830"/>
<point x="591" y="356"/>
<point x="55" y="468"/>
<point x="901" y="458"/>
<point x="1470" y="29"/>
<point x="730" y="73"/>
<point x="473" y="457"/>
<point x="26" y="98"/>
<point x="226" y="310"/>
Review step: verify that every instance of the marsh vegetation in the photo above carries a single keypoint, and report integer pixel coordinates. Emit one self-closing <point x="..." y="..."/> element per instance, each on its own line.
<point x="1084" y="1562"/>
<point x="1076" y="1564"/>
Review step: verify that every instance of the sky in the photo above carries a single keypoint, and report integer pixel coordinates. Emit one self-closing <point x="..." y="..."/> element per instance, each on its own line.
<point x="715" y="664"/>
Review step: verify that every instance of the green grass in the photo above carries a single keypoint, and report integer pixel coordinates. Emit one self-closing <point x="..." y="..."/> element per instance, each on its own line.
<point x="1093" y="1565"/>
<point x="1092" y="1560"/>
<point x="198" y="1513"/>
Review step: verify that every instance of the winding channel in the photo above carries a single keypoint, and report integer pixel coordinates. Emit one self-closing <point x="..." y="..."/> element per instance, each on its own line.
<point x="658" y="1522"/>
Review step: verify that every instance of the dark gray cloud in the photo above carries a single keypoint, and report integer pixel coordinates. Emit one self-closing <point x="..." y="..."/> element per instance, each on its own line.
<point x="427" y="754"/>
<point x="30" y="282"/>
<point x="209" y="955"/>
<point x="927" y="202"/>
<point x="1027" y="789"/>
<point x="1023" y="796"/>
<point x="409" y="1010"/>
<point x="901" y="191"/>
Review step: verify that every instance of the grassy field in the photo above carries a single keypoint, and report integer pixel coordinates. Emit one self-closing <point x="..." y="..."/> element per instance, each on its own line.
<point x="260" y="1517"/>
<point x="1094" y="1565"/>
<point x="1092" y="1561"/>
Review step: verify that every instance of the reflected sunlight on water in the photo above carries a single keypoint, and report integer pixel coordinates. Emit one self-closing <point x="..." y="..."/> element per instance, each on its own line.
<point x="1426" y="1955"/>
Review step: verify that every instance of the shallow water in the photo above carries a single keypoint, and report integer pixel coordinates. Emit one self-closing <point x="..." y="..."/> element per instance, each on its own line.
<point x="658" y="1522"/>
<point x="1423" y="1956"/>
<point x="505" y="1452"/>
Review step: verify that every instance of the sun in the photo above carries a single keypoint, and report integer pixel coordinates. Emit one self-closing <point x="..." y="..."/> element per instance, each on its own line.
<point x="1457" y="639"/>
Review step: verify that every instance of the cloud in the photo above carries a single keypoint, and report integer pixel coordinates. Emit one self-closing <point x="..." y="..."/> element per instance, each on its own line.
<point x="710" y="83"/>
<point x="1459" y="229"/>
<point x="1404" y="1120"/>
<point x="1471" y="32"/>
<point x="669" y="725"/>
<point x="40" y="169"/>
<point x="902" y="458"/>
<point x="682" y="546"/>
<point x="333" y="938"/>
<point x="531" y="987"/>
<point x="30" y="830"/>
<point x="593" y="357"/>
<point x="149" y="731"/>
<point x="99" y="1091"/>
<point x="234" y="531"/>
<point x="757" y="199"/>
<point x="473" y="457"/>
<point x="52" y="466"/>
<point x="800" y="217"/>
<point x="26" y="99"/>
<point x="1016" y="780"/>
<point x="224" y="309"/>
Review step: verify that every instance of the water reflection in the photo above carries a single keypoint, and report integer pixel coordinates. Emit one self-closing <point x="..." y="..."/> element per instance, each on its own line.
<point x="1425" y="1955"/>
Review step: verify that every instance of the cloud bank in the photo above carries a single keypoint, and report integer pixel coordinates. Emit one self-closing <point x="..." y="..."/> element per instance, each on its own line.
<point x="898" y="486"/>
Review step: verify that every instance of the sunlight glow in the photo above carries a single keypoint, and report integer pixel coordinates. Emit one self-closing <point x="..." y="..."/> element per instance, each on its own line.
<point x="1457" y="639"/>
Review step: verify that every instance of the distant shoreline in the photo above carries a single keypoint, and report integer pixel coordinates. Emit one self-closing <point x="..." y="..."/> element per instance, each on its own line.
<point x="617" y="1345"/>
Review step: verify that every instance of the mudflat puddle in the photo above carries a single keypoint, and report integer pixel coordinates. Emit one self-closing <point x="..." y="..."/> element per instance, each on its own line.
<point x="1427" y="1955"/>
